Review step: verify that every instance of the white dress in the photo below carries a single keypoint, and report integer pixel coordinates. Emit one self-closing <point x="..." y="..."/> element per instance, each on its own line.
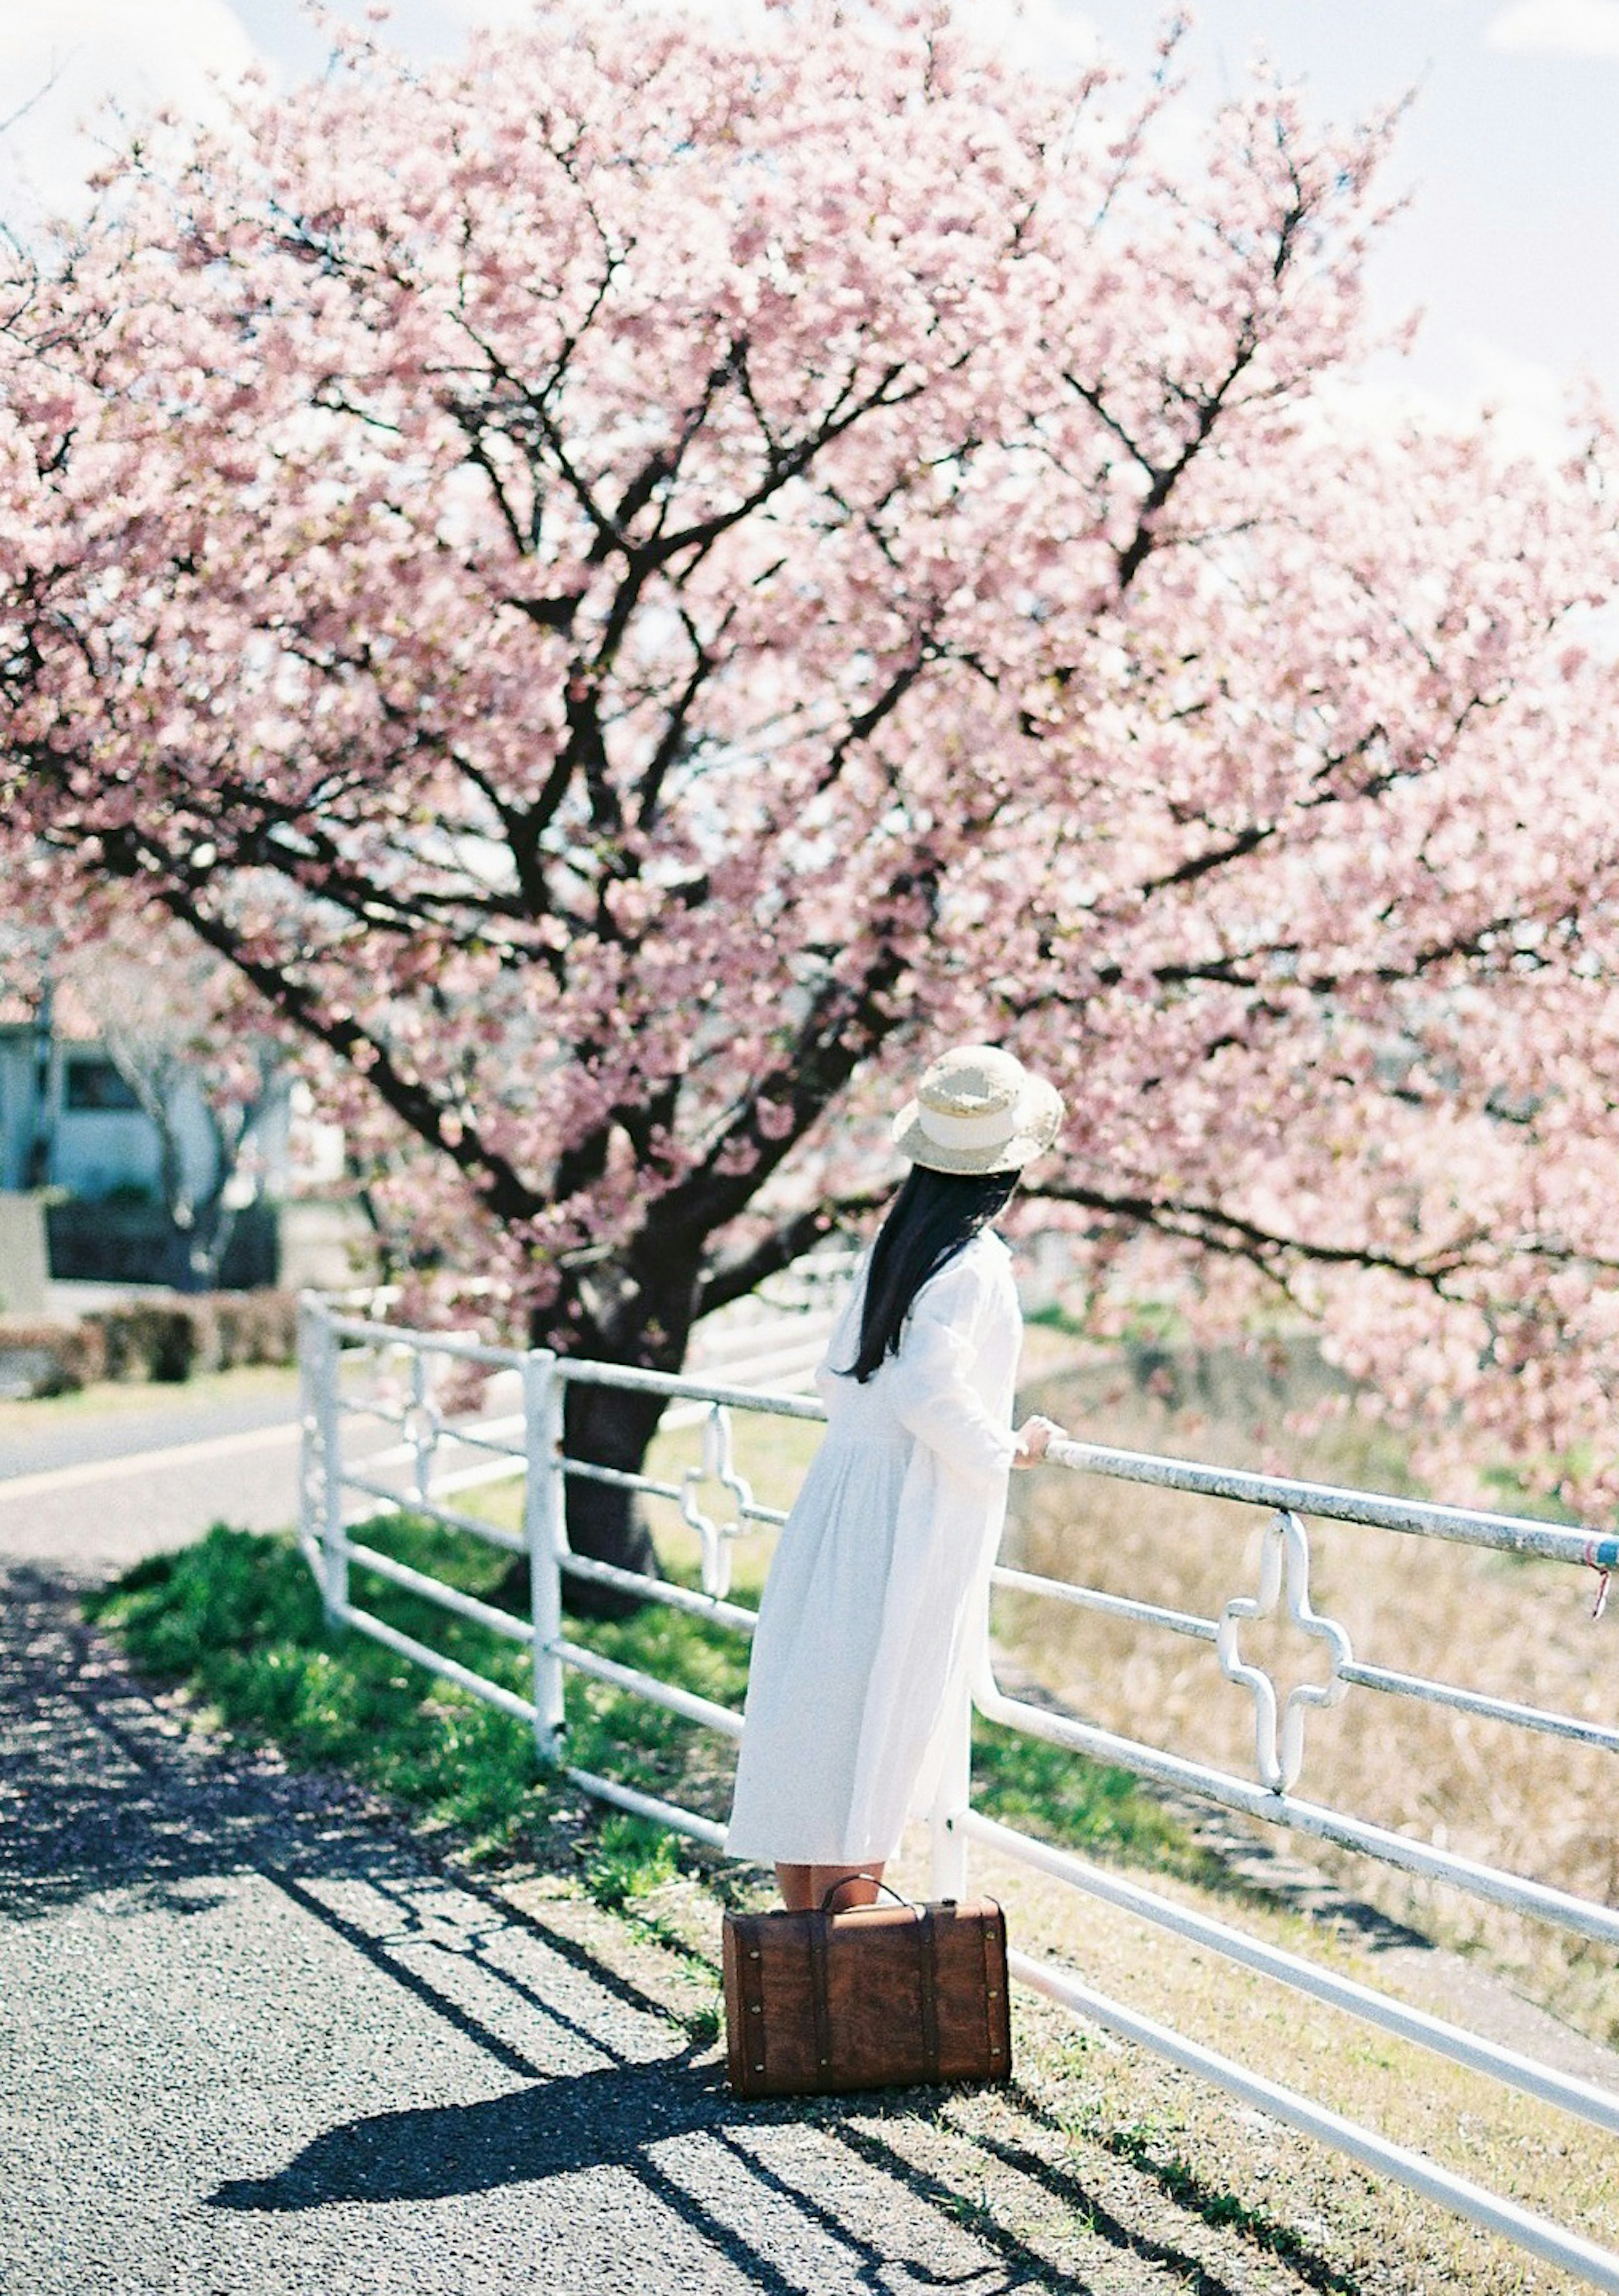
<point x="875" y="1610"/>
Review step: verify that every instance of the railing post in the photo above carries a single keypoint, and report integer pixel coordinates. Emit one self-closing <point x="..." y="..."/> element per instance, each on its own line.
<point x="546" y="1528"/>
<point x="327" y="1358"/>
<point x="951" y="1795"/>
<point x="311" y="1337"/>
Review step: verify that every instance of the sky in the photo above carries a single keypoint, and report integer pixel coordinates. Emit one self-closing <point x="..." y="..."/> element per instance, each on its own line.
<point x="1509" y="245"/>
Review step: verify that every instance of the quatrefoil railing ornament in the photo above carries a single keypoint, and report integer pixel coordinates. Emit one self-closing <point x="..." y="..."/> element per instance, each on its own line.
<point x="716" y="1465"/>
<point x="1283" y="1573"/>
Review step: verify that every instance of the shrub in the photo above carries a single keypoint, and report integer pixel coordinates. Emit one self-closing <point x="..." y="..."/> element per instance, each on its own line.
<point x="48" y="1359"/>
<point x="171" y="1339"/>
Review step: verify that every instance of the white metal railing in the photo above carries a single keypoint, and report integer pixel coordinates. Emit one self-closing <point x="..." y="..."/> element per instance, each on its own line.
<point x="385" y="1383"/>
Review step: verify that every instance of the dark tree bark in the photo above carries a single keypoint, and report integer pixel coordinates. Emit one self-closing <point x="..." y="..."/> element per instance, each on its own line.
<point x="608" y="1427"/>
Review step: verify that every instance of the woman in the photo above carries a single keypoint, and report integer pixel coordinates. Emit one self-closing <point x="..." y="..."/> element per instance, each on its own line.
<point x="874" y="1599"/>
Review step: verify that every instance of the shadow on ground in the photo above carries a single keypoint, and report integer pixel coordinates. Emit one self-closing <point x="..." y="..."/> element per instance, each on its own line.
<point x="108" y="1795"/>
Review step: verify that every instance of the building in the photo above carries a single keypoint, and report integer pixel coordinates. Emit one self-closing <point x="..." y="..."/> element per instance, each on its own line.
<point x="70" y="1121"/>
<point x="149" y="1185"/>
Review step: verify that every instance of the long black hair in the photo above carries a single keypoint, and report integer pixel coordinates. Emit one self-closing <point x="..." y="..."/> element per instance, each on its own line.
<point x="934" y="1216"/>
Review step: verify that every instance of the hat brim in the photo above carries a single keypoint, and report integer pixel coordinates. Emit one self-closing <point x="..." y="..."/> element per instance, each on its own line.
<point x="1036" y="1120"/>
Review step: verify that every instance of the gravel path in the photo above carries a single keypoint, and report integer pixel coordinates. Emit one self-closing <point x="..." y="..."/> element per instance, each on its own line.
<point x="254" y="2037"/>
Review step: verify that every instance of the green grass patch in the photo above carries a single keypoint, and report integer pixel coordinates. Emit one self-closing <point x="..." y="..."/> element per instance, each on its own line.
<point x="1067" y="1798"/>
<point x="629" y="1859"/>
<point x="237" y="1619"/>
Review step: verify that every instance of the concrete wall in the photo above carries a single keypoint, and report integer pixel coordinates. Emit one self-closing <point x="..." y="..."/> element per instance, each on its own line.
<point x="23" y="1268"/>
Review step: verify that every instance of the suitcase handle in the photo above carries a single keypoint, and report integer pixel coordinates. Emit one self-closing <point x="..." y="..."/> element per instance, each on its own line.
<point x="876" y="1882"/>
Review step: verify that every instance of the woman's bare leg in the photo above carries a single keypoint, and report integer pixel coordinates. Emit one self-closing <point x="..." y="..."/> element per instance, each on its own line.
<point x="857" y="1885"/>
<point x="803" y="1888"/>
<point x="794" y="1882"/>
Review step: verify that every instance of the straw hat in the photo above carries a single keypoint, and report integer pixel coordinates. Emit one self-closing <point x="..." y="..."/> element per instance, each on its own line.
<point x="978" y="1109"/>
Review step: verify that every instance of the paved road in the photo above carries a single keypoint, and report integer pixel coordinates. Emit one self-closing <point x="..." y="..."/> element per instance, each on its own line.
<point x="99" y="1492"/>
<point x="144" y="1484"/>
<point x="38" y="1437"/>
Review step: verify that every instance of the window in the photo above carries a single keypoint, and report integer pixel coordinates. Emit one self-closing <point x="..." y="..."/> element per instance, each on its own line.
<point x="95" y="1085"/>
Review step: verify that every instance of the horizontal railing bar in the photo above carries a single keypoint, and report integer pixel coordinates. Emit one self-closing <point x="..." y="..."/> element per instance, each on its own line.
<point x="1370" y="1677"/>
<point x="646" y="1805"/>
<point x="1478" y="1701"/>
<point x="687" y="1703"/>
<point x="619" y="1478"/>
<point x="436" y="1590"/>
<point x="509" y="1541"/>
<point x="449" y="1435"/>
<point x="452" y="1518"/>
<point x="678" y="1416"/>
<point x="755" y="1512"/>
<point x="493" y="1694"/>
<point x="383" y="1336"/>
<point x="1116" y="1606"/>
<point x="741" y="1620"/>
<point x="1516" y="1534"/>
<point x="1463" y="2048"/>
<point x="488" y="1471"/>
<point x="1537" y="2233"/>
<point x="398" y="1456"/>
<point x="478" y="1438"/>
<point x="630" y="1376"/>
<point x="1511" y="1890"/>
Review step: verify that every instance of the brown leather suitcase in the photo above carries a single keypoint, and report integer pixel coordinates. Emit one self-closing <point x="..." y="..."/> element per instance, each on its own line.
<point x="879" y="1997"/>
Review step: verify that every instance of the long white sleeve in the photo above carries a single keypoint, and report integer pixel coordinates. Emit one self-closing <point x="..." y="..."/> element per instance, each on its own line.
<point x="933" y="1392"/>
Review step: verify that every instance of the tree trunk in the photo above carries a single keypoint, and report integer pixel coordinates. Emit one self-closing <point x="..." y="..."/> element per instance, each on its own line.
<point x="608" y="1427"/>
<point x="614" y="1427"/>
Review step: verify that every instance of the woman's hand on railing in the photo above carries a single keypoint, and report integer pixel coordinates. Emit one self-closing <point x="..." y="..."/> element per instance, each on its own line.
<point x="1032" y="1438"/>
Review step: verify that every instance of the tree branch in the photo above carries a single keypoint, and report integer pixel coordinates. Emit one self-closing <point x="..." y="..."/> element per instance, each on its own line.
<point x="1214" y="1229"/>
<point x="734" y="1279"/>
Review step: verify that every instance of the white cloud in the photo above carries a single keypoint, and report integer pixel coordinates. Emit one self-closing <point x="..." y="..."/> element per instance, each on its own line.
<point x="1527" y="400"/>
<point x="1047" y="36"/>
<point x="1528" y="404"/>
<point x="1557" y="28"/>
<point x="486" y="12"/>
<point x="57" y="66"/>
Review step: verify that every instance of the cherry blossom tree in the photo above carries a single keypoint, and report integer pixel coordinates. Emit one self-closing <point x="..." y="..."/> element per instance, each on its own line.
<point x="631" y="587"/>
